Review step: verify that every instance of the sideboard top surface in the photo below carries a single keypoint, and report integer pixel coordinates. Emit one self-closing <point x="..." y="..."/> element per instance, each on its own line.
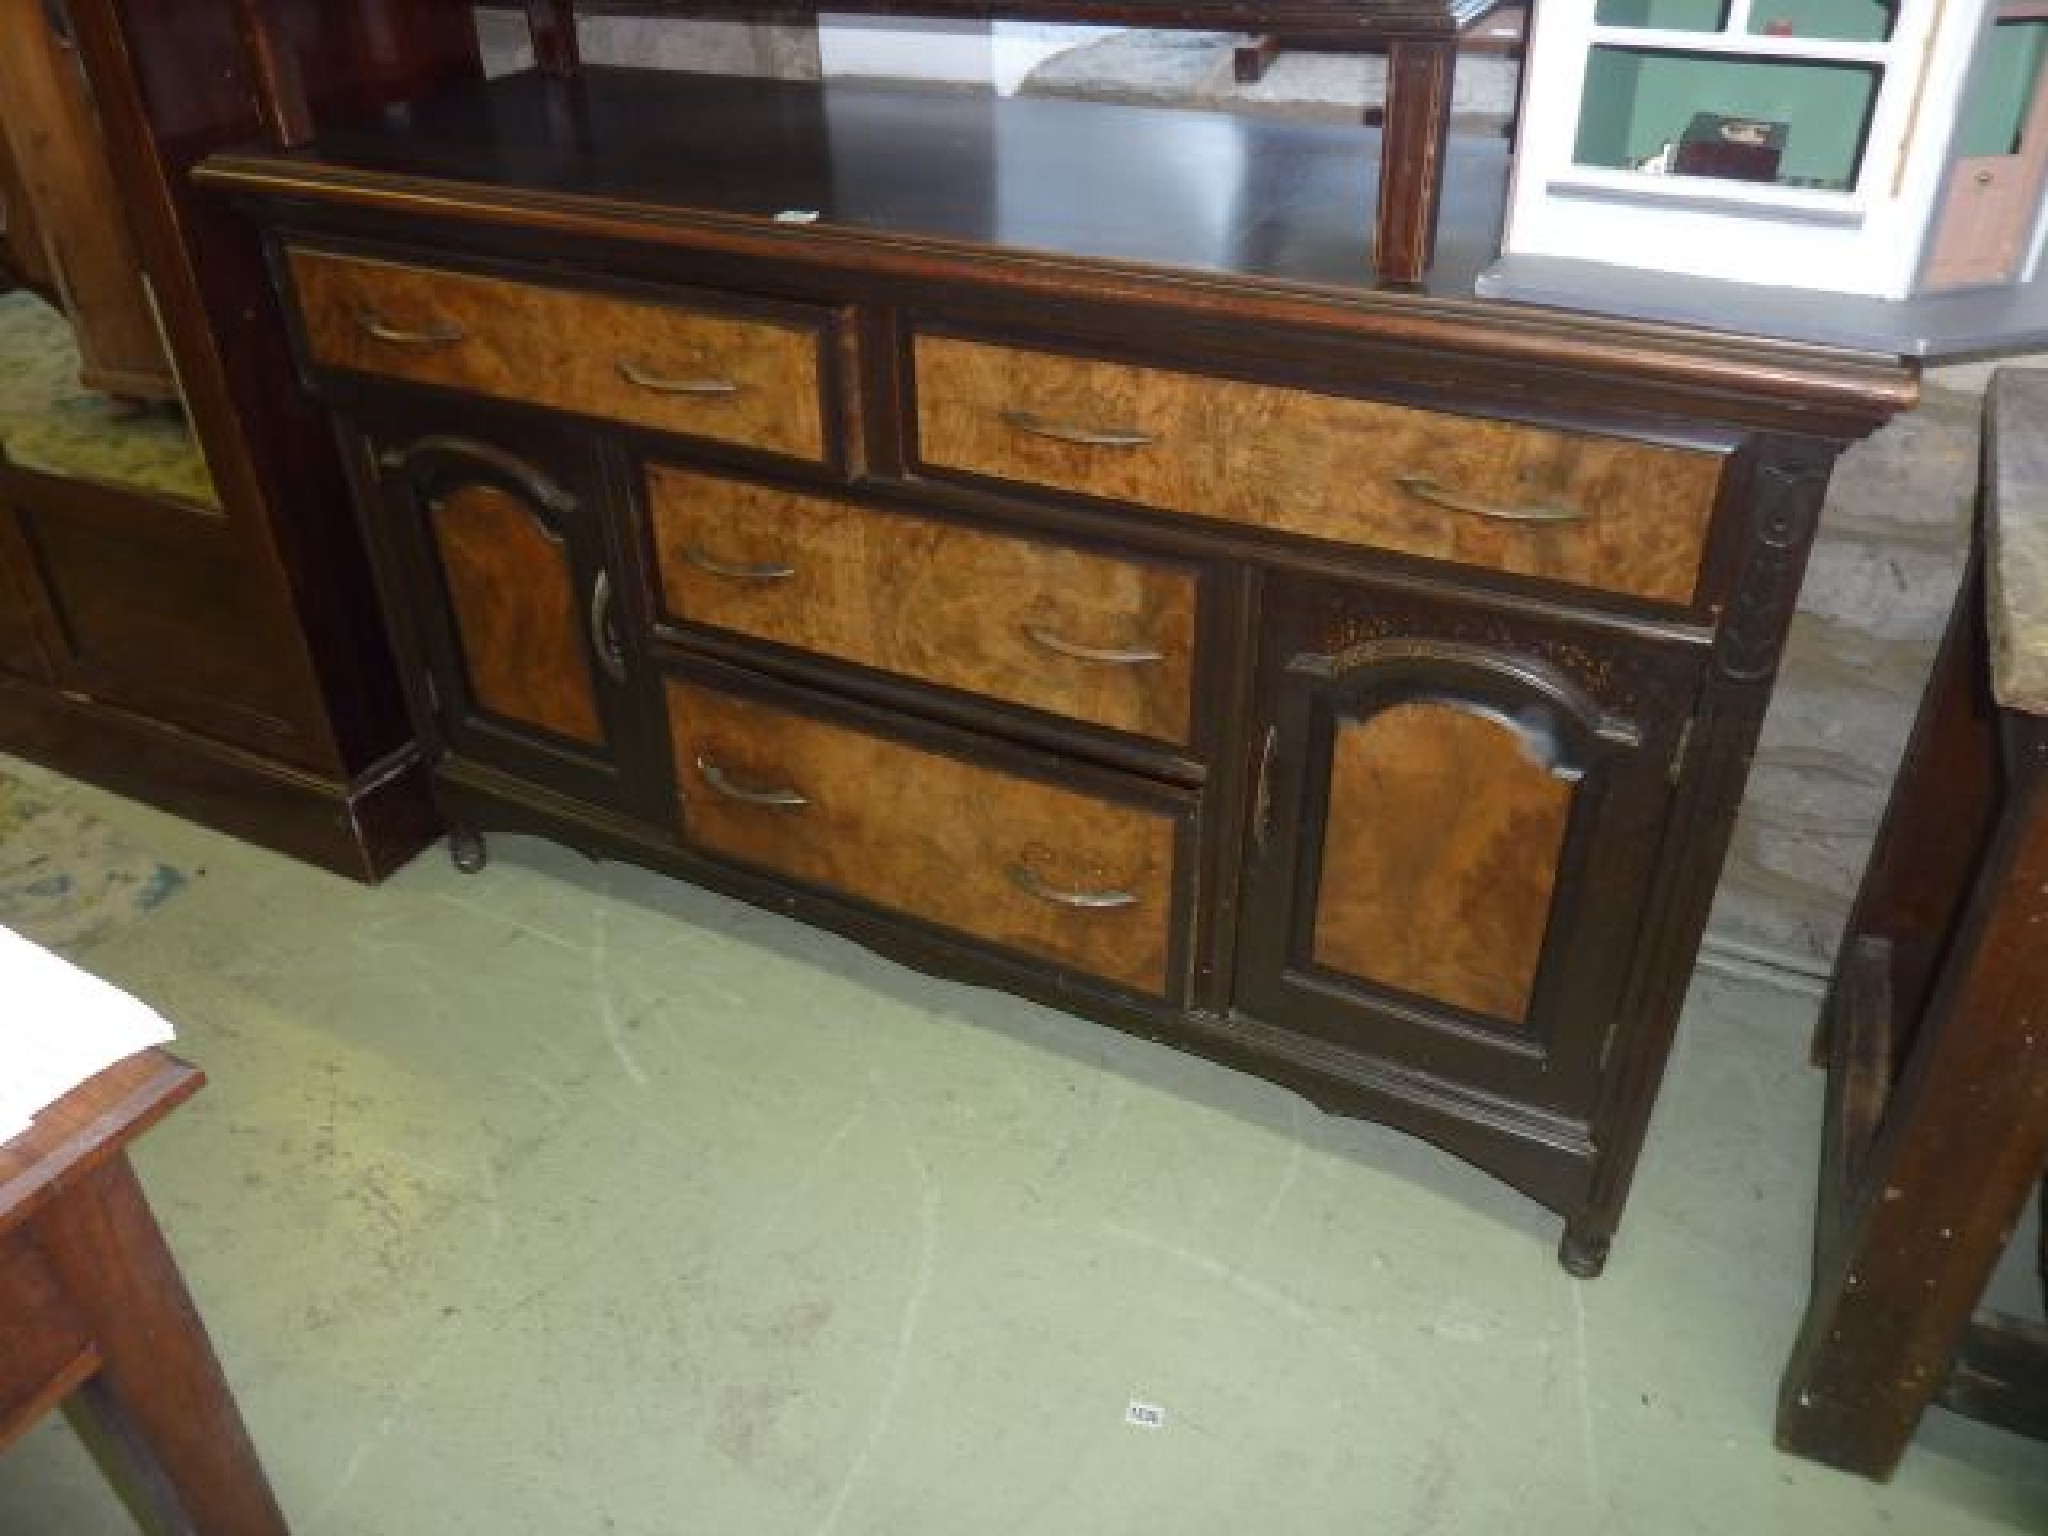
<point x="1225" y="214"/>
<point x="1333" y="19"/>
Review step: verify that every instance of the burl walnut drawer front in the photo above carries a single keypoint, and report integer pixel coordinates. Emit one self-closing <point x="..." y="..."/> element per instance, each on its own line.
<point x="1624" y="517"/>
<point x="1085" y="882"/>
<point x="732" y="379"/>
<point x="1087" y="636"/>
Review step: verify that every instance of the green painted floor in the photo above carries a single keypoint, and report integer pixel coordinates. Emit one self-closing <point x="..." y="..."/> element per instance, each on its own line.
<point x="566" y="1199"/>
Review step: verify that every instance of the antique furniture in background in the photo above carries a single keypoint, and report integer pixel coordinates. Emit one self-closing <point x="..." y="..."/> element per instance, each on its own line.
<point x="94" y="1313"/>
<point x="1840" y="146"/>
<point x="222" y="658"/>
<point x="1937" y="1125"/>
<point x="62" y="189"/>
<point x="1070" y="572"/>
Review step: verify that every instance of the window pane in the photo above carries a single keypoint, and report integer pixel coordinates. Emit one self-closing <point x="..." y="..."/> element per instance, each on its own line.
<point x="1676" y="15"/>
<point x="1995" y="106"/>
<point x="1792" y="123"/>
<point x="1854" y="21"/>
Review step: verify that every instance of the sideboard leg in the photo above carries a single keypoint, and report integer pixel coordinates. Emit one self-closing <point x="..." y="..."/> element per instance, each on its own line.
<point x="466" y="849"/>
<point x="1584" y="1250"/>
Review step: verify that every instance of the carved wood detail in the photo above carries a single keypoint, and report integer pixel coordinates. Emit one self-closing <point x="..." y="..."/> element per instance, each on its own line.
<point x="1020" y="863"/>
<point x="1592" y="511"/>
<point x="959" y="607"/>
<point x="735" y="380"/>
<point x="1440" y="856"/>
<point x="515" y="604"/>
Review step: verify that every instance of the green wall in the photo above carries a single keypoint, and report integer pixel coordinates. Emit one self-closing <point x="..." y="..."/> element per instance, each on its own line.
<point x="1636" y="101"/>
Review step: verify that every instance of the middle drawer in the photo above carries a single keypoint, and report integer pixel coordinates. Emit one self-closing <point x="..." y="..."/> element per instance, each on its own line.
<point x="1101" y="638"/>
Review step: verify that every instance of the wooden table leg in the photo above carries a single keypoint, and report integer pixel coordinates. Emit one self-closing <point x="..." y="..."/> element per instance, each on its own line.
<point x="1959" y="1151"/>
<point x="1412" y="142"/>
<point x="160" y="1392"/>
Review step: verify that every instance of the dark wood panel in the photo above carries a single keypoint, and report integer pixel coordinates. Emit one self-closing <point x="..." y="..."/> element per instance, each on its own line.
<point x="1440" y="857"/>
<point x="21" y="650"/>
<point x="1099" y="638"/>
<point x="1599" y="512"/>
<point x="514" y="597"/>
<point x="1083" y="882"/>
<point x="746" y="381"/>
<point x="159" y="615"/>
<point x="364" y="828"/>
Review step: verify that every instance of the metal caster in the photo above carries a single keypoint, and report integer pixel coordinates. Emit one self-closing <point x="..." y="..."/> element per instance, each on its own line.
<point x="466" y="850"/>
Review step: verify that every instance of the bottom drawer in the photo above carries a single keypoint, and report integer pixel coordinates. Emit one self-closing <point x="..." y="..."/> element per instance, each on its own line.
<point x="1071" y="877"/>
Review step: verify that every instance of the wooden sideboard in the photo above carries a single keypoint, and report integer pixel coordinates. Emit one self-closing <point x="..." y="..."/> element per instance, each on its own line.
<point x="1021" y="535"/>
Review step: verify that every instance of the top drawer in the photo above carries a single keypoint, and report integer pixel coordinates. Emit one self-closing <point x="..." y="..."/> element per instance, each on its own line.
<point x="1598" y="512"/>
<point x="732" y="379"/>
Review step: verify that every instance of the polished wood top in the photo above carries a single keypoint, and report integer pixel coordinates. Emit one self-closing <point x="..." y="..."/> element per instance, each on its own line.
<point x="1201" y="213"/>
<point x="89" y="1125"/>
<point x="1335" y="19"/>
<point x="1150" y="185"/>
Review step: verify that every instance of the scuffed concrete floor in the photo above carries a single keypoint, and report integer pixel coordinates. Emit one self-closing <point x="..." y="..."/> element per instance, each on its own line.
<point x="568" y="1199"/>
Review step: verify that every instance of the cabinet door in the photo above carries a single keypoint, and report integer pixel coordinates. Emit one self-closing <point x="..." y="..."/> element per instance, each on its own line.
<point x="1458" y="816"/>
<point x="507" y="575"/>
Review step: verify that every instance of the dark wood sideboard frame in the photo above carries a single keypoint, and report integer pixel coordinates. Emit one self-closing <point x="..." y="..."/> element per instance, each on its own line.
<point x="1641" y="686"/>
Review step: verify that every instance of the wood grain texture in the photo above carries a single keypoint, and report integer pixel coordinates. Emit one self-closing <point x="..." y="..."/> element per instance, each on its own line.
<point x="55" y="143"/>
<point x="160" y="1392"/>
<point x="24" y="259"/>
<point x="1440" y="857"/>
<point x="566" y="350"/>
<point x="931" y="600"/>
<point x="43" y="1345"/>
<point x="1323" y="466"/>
<point x="930" y="835"/>
<point x="516" y="613"/>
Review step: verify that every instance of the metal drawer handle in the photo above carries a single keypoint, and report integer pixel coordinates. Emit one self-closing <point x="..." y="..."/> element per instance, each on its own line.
<point x="632" y="373"/>
<point x="1135" y="657"/>
<point x="1066" y="432"/>
<point x="1027" y="880"/>
<point x="1428" y="488"/>
<point x="378" y="329"/>
<point x="715" y="777"/>
<point x="604" y="634"/>
<point x="734" y="570"/>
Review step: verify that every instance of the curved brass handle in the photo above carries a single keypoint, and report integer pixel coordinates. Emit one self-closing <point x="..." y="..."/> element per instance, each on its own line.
<point x="378" y="329"/>
<point x="714" y="775"/>
<point x="1028" y="880"/>
<point x="604" y="638"/>
<point x="632" y="373"/>
<point x="1428" y="488"/>
<point x="1136" y="656"/>
<point x="1066" y="432"/>
<point x="735" y="570"/>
